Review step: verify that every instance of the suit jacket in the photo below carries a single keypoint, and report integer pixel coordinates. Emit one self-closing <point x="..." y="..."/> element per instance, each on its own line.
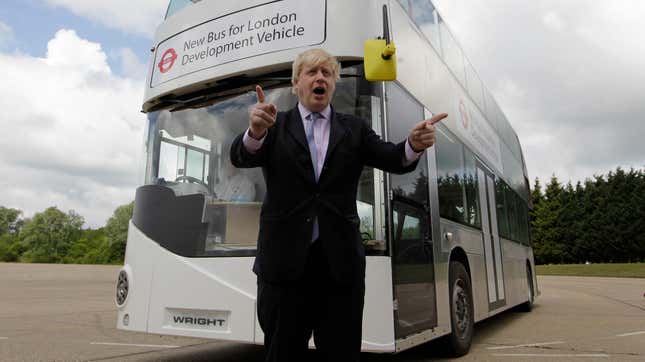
<point x="293" y="197"/>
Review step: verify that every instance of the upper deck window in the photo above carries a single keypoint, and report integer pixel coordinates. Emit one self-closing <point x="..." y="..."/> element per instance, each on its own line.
<point x="425" y="17"/>
<point x="176" y="5"/>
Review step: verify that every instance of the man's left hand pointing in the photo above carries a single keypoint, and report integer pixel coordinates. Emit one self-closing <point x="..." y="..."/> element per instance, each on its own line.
<point x="422" y="135"/>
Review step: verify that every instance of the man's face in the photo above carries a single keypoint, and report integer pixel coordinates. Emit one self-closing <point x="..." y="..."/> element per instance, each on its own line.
<point x="315" y="86"/>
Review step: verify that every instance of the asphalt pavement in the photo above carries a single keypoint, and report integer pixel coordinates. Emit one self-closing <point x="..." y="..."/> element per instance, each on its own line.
<point x="67" y="313"/>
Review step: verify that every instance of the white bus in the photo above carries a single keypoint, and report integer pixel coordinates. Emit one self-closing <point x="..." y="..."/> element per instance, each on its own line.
<point x="447" y="245"/>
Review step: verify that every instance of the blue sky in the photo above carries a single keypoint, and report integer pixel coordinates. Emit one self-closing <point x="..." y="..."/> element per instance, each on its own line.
<point x="75" y="140"/>
<point x="35" y="22"/>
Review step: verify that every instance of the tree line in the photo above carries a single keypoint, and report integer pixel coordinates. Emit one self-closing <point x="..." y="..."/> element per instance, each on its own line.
<point x="53" y="236"/>
<point x="599" y="220"/>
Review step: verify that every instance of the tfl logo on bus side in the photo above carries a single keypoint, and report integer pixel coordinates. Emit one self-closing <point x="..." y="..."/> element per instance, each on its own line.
<point x="167" y="60"/>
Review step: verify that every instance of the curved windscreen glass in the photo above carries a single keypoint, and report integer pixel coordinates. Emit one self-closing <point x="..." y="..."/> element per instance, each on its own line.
<point x="188" y="153"/>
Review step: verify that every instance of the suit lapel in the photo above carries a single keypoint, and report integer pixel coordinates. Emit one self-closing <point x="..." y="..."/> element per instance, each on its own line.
<point x="337" y="131"/>
<point x="296" y="129"/>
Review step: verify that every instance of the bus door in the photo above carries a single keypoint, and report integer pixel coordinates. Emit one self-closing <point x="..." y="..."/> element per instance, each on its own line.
<point x="492" y="247"/>
<point x="410" y="232"/>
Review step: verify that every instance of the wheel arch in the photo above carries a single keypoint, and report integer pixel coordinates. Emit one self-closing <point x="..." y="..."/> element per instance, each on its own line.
<point x="458" y="254"/>
<point x="530" y="267"/>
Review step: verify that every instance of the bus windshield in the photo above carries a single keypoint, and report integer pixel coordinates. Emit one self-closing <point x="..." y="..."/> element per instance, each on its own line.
<point x="188" y="153"/>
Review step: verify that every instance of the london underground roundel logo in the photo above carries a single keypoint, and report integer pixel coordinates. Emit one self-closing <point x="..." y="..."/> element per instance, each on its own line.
<point x="167" y="60"/>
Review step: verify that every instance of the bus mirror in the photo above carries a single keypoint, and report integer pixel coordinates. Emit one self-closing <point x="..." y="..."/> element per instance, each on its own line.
<point x="379" y="60"/>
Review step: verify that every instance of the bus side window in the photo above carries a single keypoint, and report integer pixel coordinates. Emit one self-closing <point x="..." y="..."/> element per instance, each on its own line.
<point x="473" y="217"/>
<point x="410" y="204"/>
<point x="457" y="181"/>
<point x="425" y="17"/>
<point x="452" y="203"/>
<point x="452" y="53"/>
<point x="502" y="209"/>
<point x="403" y="113"/>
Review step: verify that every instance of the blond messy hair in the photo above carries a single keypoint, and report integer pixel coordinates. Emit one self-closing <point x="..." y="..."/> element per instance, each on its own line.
<point x="313" y="57"/>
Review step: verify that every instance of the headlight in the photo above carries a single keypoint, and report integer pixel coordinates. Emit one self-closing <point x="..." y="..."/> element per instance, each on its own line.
<point x="122" y="288"/>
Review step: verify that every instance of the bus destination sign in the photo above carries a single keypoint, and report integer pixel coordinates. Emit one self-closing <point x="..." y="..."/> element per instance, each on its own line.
<point x="259" y="30"/>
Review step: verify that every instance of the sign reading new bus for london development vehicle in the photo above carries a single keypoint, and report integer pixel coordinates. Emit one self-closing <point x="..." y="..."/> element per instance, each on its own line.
<point x="259" y="30"/>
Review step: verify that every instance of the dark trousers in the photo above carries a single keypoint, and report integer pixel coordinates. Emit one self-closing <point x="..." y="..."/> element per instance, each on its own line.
<point x="289" y="313"/>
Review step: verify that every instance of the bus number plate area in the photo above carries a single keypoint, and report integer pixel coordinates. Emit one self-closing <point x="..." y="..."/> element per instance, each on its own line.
<point x="263" y="29"/>
<point x="207" y="320"/>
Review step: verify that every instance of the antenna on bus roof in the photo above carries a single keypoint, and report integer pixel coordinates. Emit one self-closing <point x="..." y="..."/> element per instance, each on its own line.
<point x="389" y="47"/>
<point x="378" y="55"/>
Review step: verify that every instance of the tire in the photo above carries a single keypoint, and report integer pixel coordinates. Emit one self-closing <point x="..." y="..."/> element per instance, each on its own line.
<point x="528" y="305"/>
<point x="462" y="316"/>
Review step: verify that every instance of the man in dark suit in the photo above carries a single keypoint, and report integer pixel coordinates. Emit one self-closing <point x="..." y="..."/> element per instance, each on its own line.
<point x="310" y="261"/>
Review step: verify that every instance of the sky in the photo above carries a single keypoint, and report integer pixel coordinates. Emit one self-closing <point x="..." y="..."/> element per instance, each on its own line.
<point x="569" y="75"/>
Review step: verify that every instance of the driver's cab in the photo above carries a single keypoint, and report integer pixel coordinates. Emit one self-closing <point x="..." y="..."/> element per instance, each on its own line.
<point x="193" y="157"/>
<point x="196" y="203"/>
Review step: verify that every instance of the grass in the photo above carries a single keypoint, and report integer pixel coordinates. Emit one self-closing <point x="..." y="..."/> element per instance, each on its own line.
<point x="632" y="270"/>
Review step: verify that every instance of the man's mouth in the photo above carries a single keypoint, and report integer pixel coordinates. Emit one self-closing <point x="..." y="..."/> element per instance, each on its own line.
<point x="319" y="90"/>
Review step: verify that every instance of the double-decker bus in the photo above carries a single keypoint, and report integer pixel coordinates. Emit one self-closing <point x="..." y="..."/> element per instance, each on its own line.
<point x="447" y="245"/>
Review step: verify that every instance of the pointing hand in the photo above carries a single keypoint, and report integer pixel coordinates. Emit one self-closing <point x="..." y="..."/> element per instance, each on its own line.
<point x="262" y="115"/>
<point x="422" y="135"/>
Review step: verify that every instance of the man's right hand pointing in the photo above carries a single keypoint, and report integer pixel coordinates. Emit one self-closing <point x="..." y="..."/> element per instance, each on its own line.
<point x="262" y="115"/>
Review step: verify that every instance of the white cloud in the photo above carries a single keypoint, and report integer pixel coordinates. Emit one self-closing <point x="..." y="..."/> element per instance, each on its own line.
<point x="138" y="17"/>
<point x="617" y="29"/>
<point x="573" y="94"/>
<point x="73" y="133"/>
<point x="131" y="65"/>
<point x="553" y="21"/>
<point x="68" y="51"/>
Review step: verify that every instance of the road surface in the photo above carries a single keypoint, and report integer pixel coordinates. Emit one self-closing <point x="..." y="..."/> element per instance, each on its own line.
<point x="67" y="313"/>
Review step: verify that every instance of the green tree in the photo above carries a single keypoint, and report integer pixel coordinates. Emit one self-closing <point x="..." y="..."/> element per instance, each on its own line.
<point x="571" y="221"/>
<point x="10" y="224"/>
<point x="116" y="231"/>
<point x="5" y="242"/>
<point x="623" y="216"/>
<point x="536" y="199"/>
<point x="637" y="205"/>
<point x="593" y="230"/>
<point x="91" y="248"/>
<point x="547" y="228"/>
<point x="576" y="217"/>
<point x="10" y="221"/>
<point x="49" y="234"/>
<point x="14" y="250"/>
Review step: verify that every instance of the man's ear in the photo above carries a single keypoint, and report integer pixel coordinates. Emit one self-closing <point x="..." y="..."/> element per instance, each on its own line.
<point x="294" y="87"/>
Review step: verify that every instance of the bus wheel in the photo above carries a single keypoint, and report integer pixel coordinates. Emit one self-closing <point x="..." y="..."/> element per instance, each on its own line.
<point x="462" y="318"/>
<point x="528" y="305"/>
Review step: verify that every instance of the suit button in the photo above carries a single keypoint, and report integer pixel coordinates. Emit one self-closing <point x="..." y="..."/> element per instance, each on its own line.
<point x="308" y="219"/>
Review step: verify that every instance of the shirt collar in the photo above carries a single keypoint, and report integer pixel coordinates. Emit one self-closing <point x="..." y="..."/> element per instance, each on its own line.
<point x="304" y="112"/>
